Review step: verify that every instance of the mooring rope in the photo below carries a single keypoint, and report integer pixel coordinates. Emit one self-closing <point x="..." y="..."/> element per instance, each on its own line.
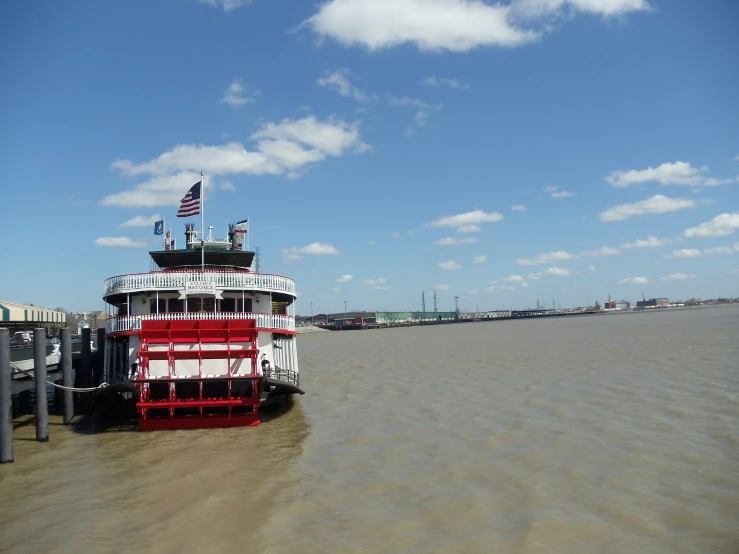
<point x="27" y="373"/>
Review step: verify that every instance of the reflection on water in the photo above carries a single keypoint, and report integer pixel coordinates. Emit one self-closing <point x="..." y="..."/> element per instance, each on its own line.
<point x="609" y="433"/>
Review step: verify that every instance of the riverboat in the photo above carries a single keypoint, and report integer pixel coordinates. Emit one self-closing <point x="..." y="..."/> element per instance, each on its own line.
<point x="202" y="340"/>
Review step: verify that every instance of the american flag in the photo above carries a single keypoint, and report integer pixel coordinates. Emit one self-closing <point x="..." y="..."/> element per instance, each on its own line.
<point x="191" y="202"/>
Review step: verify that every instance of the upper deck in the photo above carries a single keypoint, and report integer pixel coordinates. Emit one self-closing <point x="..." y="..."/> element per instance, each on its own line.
<point x="224" y="279"/>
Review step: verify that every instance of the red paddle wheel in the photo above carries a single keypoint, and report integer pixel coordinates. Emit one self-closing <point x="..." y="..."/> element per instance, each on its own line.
<point x="196" y="374"/>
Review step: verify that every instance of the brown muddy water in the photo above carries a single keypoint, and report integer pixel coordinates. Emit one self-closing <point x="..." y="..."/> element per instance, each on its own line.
<point x="610" y="433"/>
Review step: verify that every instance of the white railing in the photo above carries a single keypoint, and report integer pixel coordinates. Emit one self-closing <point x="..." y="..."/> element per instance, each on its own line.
<point x="264" y="321"/>
<point x="167" y="280"/>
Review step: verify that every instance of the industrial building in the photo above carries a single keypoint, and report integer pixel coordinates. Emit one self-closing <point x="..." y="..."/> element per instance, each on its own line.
<point x="653" y="303"/>
<point x="22" y="317"/>
<point x="617" y="305"/>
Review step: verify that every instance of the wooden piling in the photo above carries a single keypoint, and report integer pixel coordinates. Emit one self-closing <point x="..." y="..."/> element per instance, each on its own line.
<point x="97" y="375"/>
<point x="39" y="374"/>
<point x="66" y="363"/>
<point x="6" y="401"/>
<point x="83" y="375"/>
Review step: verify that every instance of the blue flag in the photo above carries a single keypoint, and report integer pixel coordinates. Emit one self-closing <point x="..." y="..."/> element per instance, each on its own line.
<point x="159" y="227"/>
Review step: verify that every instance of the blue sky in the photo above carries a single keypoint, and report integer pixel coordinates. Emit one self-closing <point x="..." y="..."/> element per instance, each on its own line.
<point x="505" y="152"/>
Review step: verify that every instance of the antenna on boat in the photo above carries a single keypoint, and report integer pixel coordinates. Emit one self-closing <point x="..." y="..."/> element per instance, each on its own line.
<point x="202" y="222"/>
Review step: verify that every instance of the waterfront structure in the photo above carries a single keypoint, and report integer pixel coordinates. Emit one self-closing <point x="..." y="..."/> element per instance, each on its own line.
<point x="617" y="305"/>
<point x="202" y="339"/>
<point x="25" y="317"/>
<point x="492" y="314"/>
<point x="653" y="303"/>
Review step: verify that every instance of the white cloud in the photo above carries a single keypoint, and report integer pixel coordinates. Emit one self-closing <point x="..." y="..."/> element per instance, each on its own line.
<point x="557" y="192"/>
<point x="338" y="81"/>
<point x="686" y="253"/>
<point x="524" y="285"/>
<point x="123" y="242"/>
<point x="469" y="229"/>
<point x="411" y="102"/>
<point x="677" y="277"/>
<point x="450" y="25"/>
<point x="598" y="252"/>
<point x="514" y="279"/>
<point x="345" y="278"/>
<point x="159" y="190"/>
<point x="720" y="226"/>
<point x="437" y="25"/>
<point x="552" y="271"/>
<point x="442" y="287"/>
<point x="554" y="8"/>
<point x="376" y="284"/>
<point x="141" y="221"/>
<point x="719" y="250"/>
<point x="557" y="271"/>
<point x="649" y="242"/>
<point x="421" y="119"/>
<point x="518" y="208"/>
<point x="469" y="218"/>
<point x="282" y="148"/>
<point x="633" y="281"/>
<point x="548" y="258"/>
<point x="676" y="173"/>
<point x="480" y="259"/>
<point x="453" y="240"/>
<point x="588" y="269"/>
<point x="227" y="5"/>
<point x="657" y="204"/>
<point x="334" y="289"/>
<point x="563" y="255"/>
<point x="397" y="235"/>
<point x="228" y="185"/>
<point x="333" y="136"/>
<point x="451" y="265"/>
<point x="236" y="95"/>
<point x="313" y="249"/>
<point x="371" y="242"/>
<point x="443" y="81"/>
<point x="696" y="253"/>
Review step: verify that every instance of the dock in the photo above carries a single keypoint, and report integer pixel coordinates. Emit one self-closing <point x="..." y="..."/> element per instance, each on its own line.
<point x="79" y="372"/>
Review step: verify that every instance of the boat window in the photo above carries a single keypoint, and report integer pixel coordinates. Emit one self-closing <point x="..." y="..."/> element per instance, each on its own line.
<point x="153" y="306"/>
<point x="228" y="305"/>
<point x="193" y="304"/>
<point x="209" y="304"/>
<point x="240" y="305"/>
<point x="176" y="305"/>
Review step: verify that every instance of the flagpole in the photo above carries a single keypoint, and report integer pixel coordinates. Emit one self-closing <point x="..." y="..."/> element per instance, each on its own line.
<point x="164" y="233"/>
<point x="202" y="223"/>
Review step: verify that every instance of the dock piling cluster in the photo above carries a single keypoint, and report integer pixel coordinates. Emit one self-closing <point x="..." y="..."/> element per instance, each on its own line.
<point x="84" y="374"/>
